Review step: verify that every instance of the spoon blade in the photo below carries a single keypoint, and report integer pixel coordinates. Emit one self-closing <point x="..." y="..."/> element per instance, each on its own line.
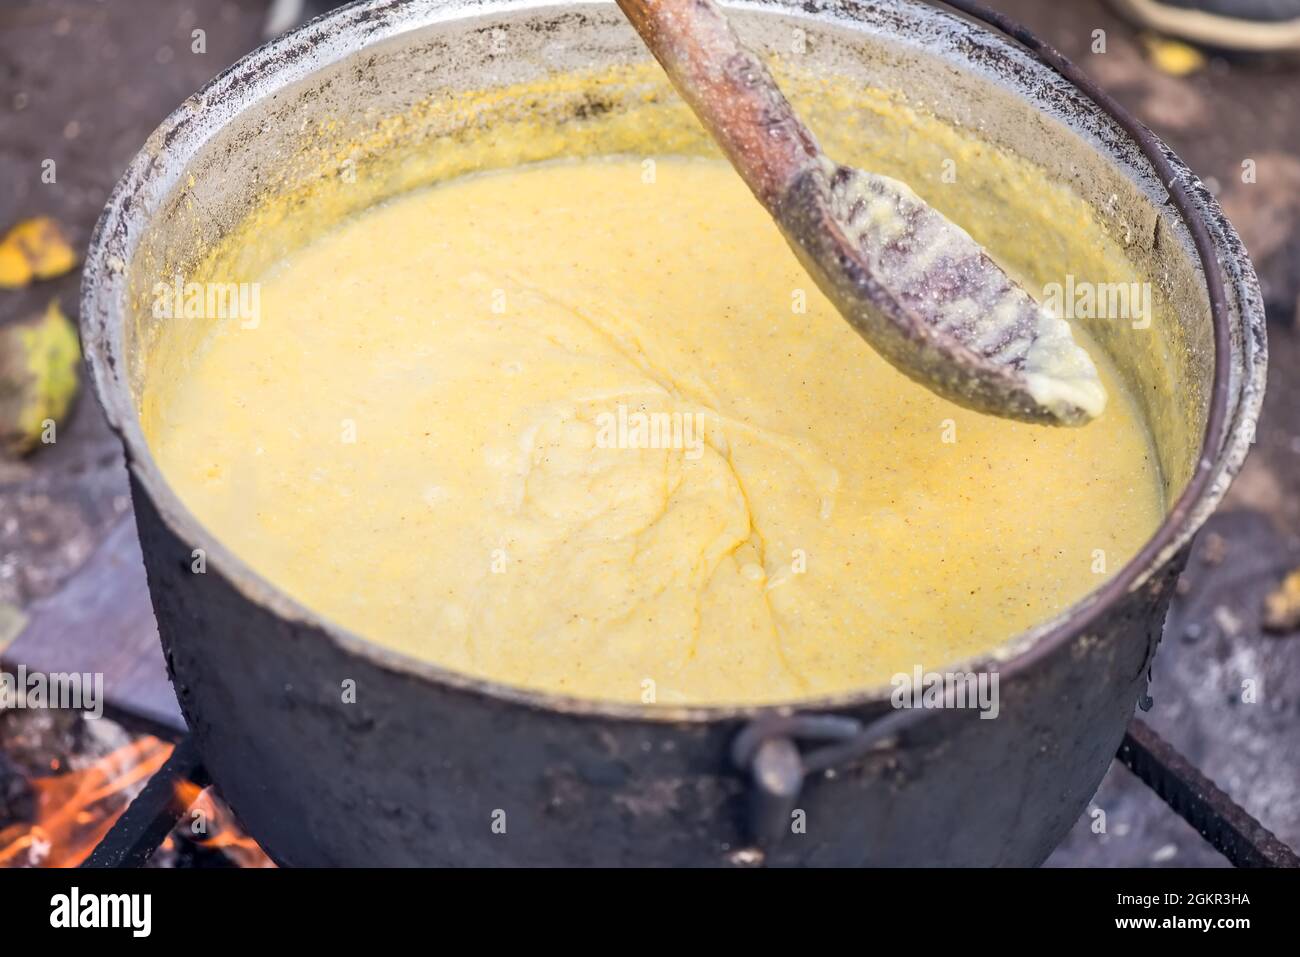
<point x="932" y="301"/>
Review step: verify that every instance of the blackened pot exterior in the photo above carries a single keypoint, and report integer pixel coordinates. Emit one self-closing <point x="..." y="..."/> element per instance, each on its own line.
<point x="333" y="751"/>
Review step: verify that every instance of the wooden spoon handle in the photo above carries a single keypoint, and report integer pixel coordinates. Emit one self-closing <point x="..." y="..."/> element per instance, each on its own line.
<point x="730" y="90"/>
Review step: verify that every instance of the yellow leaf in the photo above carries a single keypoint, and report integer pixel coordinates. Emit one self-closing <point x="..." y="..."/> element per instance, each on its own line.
<point x="1173" y="57"/>
<point x="1282" y="605"/>
<point x="39" y="364"/>
<point x="34" y="249"/>
<point x="15" y="270"/>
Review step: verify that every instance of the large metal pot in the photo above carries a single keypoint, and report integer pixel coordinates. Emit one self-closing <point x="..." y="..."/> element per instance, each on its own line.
<point x="432" y="767"/>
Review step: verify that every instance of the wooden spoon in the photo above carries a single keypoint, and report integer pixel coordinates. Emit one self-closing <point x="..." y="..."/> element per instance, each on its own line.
<point x="915" y="285"/>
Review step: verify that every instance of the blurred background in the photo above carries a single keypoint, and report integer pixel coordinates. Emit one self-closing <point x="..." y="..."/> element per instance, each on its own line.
<point x="84" y="82"/>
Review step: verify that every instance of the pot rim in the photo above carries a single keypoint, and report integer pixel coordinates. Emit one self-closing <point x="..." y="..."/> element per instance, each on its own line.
<point x="345" y="31"/>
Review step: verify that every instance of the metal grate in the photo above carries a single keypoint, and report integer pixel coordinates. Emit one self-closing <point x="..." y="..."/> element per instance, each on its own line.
<point x="1200" y="802"/>
<point x="145" y="824"/>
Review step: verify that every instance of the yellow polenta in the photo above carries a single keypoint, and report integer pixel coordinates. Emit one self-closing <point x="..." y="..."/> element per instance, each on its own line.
<point x="589" y="427"/>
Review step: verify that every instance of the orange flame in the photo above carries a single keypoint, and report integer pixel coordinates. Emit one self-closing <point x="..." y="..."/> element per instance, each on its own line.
<point x="74" y="811"/>
<point x="209" y="823"/>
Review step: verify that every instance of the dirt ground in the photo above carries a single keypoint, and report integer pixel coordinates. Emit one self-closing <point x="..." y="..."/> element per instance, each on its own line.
<point x="83" y="83"/>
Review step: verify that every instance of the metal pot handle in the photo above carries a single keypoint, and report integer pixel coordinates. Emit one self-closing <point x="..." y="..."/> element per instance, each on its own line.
<point x="766" y="749"/>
